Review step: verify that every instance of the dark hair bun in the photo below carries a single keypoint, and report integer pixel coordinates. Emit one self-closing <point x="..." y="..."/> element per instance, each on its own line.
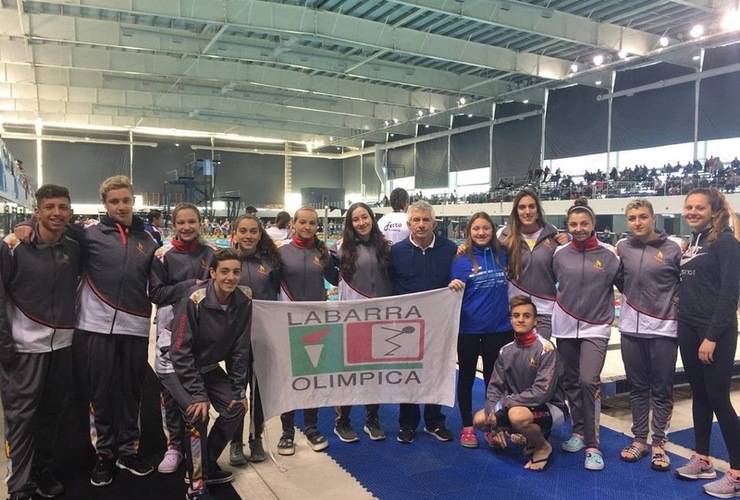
<point x="581" y="202"/>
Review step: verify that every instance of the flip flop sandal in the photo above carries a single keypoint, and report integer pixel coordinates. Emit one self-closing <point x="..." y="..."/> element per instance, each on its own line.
<point x="660" y="462"/>
<point x="546" y="461"/>
<point x="634" y="453"/>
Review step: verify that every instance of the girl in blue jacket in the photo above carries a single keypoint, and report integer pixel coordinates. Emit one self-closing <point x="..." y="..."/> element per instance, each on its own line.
<point x="484" y="324"/>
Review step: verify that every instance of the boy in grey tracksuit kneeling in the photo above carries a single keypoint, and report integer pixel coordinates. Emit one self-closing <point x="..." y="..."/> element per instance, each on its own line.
<point x="212" y="324"/>
<point x="525" y="395"/>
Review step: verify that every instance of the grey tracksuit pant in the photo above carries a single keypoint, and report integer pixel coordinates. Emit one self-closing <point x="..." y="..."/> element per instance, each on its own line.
<point x="201" y="447"/>
<point x="650" y="366"/>
<point x="584" y="359"/>
<point x="34" y="392"/>
<point x="116" y="368"/>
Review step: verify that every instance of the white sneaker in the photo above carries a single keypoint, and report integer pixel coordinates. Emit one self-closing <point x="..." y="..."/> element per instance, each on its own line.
<point x="170" y="462"/>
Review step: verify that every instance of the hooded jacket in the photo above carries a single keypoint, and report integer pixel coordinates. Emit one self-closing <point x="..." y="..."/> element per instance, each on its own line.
<point x="586" y="273"/>
<point x="40" y="281"/>
<point x="649" y="277"/>
<point x="204" y="334"/>
<point x="710" y="283"/>
<point x="175" y="268"/>
<point x="416" y="270"/>
<point x="369" y="279"/>
<point x="117" y="265"/>
<point x="537" y="280"/>
<point x="485" y="304"/>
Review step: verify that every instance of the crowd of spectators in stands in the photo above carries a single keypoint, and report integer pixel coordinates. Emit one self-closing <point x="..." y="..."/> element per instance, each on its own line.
<point x="640" y="180"/>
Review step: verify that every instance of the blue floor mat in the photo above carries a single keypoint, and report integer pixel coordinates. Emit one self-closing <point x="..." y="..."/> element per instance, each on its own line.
<point x="429" y="469"/>
<point x="717" y="446"/>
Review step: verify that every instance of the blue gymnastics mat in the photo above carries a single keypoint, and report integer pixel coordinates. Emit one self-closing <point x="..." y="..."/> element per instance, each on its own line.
<point x="429" y="469"/>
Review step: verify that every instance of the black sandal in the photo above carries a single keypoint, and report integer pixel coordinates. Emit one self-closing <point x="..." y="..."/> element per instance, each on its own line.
<point x="660" y="462"/>
<point x="316" y="440"/>
<point x="634" y="453"/>
<point x="286" y="445"/>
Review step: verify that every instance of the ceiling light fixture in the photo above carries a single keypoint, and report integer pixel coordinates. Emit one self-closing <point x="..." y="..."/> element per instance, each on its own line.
<point x="598" y="60"/>
<point x="526" y="101"/>
<point x="697" y="31"/>
<point x="574" y="67"/>
<point x="664" y="41"/>
<point x="623" y="54"/>
<point x="432" y="110"/>
<point x="598" y="82"/>
<point x="731" y="20"/>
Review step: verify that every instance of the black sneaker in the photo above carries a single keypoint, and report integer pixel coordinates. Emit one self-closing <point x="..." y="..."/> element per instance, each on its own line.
<point x="406" y="436"/>
<point x="374" y="430"/>
<point x="203" y="494"/>
<point x="442" y="433"/>
<point x="216" y="475"/>
<point x="102" y="474"/>
<point x="47" y="486"/>
<point x="134" y="465"/>
<point x="236" y="454"/>
<point x="256" y="451"/>
<point x="21" y="495"/>
<point x="346" y="433"/>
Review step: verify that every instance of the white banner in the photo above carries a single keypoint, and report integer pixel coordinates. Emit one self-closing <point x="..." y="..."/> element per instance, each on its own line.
<point x="398" y="349"/>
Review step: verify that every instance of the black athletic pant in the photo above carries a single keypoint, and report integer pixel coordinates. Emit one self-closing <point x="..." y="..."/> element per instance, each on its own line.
<point x="310" y="421"/>
<point x="469" y="348"/>
<point x="257" y="417"/>
<point x="710" y="388"/>
<point x="34" y="393"/>
<point x="116" y="368"/>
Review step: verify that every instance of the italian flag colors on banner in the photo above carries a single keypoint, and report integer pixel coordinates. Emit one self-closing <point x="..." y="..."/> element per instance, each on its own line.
<point x="398" y="349"/>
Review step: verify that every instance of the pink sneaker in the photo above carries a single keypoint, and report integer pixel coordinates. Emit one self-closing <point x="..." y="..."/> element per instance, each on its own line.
<point x="170" y="462"/>
<point x="468" y="438"/>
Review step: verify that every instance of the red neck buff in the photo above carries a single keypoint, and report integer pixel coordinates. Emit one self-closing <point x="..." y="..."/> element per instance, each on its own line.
<point x="301" y="243"/>
<point x="590" y="244"/>
<point x="185" y="246"/>
<point x="525" y="339"/>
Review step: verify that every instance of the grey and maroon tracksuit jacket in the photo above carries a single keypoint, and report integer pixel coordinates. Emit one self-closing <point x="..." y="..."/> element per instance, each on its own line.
<point x="369" y="278"/>
<point x="537" y="280"/>
<point x="117" y="264"/>
<point x="649" y="281"/>
<point x="303" y="272"/>
<point x="175" y="268"/>
<point x="585" y="272"/>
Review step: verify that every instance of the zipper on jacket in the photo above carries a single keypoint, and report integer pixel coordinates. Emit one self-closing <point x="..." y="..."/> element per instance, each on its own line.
<point x="53" y="296"/>
<point x="639" y="287"/>
<point x="580" y="295"/>
<point x="120" y="285"/>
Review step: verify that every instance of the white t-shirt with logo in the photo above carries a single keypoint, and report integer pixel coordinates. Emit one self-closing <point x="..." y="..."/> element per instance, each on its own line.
<point x="394" y="226"/>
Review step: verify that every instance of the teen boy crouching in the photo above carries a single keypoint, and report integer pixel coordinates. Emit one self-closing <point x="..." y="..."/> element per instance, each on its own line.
<point x="525" y="394"/>
<point x="212" y="324"/>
